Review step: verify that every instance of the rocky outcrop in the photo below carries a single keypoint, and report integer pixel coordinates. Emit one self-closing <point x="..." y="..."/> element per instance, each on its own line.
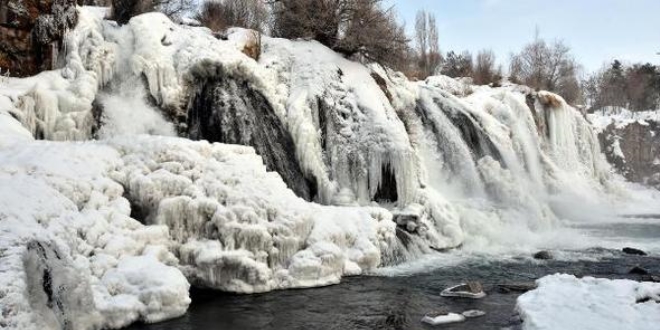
<point x="634" y="150"/>
<point x="31" y="33"/>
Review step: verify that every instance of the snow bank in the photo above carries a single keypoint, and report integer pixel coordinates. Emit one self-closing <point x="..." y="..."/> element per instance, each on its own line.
<point x="566" y="302"/>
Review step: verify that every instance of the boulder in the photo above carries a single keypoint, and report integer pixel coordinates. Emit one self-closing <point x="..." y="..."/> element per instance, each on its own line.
<point x="469" y="289"/>
<point x="638" y="271"/>
<point x="473" y="313"/>
<point x="633" y="251"/>
<point x="543" y="255"/>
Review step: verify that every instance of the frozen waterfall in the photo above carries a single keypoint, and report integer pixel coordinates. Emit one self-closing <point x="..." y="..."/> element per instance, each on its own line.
<point x="309" y="167"/>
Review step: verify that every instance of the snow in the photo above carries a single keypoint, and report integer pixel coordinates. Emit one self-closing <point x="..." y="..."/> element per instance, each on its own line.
<point x="566" y="302"/>
<point x="621" y="118"/>
<point x="443" y="319"/>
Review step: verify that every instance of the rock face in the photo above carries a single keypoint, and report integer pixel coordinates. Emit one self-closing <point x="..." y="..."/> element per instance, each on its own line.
<point x="634" y="150"/>
<point x="31" y="34"/>
<point x="230" y="111"/>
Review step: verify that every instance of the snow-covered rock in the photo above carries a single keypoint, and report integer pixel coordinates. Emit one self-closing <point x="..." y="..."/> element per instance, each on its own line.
<point x="566" y="302"/>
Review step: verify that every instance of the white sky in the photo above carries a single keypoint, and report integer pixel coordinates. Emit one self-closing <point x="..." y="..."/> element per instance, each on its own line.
<point x="598" y="31"/>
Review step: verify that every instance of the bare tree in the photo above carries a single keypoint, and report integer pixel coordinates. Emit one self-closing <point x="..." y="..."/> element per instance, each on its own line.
<point x="428" y="46"/>
<point x="311" y="19"/>
<point x="220" y="15"/>
<point x="360" y="29"/>
<point x="485" y="71"/>
<point x="373" y="34"/>
<point x="174" y="8"/>
<point x="549" y="67"/>
<point x="421" y="39"/>
<point x="458" y="65"/>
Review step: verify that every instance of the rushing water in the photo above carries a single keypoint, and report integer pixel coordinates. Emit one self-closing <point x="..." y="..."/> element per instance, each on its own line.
<point x="395" y="302"/>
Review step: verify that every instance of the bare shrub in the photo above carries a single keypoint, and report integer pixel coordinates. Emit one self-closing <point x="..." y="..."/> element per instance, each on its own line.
<point x="220" y="15"/>
<point x="361" y="29"/>
<point x="485" y="70"/>
<point x="124" y="10"/>
<point x="428" y="46"/>
<point x="458" y="65"/>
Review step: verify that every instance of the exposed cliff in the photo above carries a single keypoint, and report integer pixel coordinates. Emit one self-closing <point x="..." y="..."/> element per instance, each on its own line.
<point x="31" y="33"/>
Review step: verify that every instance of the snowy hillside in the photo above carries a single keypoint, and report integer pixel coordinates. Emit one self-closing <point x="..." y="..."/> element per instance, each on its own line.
<point x="315" y="168"/>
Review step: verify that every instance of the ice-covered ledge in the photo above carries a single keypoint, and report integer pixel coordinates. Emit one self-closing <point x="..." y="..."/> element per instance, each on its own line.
<point x="565" y="302"/>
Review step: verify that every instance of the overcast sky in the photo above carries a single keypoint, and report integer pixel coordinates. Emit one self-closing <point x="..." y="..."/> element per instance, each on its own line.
<point x="598" y="31"/>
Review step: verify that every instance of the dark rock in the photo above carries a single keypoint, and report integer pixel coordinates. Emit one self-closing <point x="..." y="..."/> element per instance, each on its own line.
<point x="516" y="287"/>
<point x="471" y="290"/>
<point x="439" y="312"/>
<point x="633" y="251"/>
<point x="473" y="313"/>
<point x="638" y="271"/>
<point x="543" y="255"/>
<point x="382" y="84"/>
<point x="646" y="299"/>
<point x="228" y="110"/>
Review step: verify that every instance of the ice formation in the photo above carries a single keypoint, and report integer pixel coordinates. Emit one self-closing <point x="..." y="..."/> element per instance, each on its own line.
<point x="108" y="232"/>
<point x="566" y="302"/>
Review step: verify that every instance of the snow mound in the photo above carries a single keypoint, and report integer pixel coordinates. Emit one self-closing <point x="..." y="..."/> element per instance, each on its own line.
<point x="566" y="302"/>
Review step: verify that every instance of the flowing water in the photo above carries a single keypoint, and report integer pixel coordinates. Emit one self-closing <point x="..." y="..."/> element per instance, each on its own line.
<point x="394" y="302"/>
